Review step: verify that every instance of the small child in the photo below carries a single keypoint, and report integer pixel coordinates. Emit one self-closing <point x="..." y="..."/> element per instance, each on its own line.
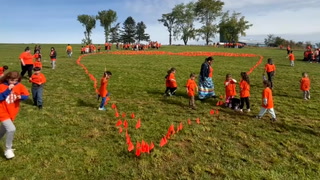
<point x="191" y="88"/>
<point x="244" y="91"/>
<point x="11" y="93"/>
<point x="38" y="63"/>
<point x="171" y="83"/>
<point x="53" y="57"/>
<point x="270" y="69"/>
<point x="230" y="86"/>
<point x="103" y="91"/>
<point x="37" y="55"/>
<point x="305" y="86"/>
<point x="267" y="102"/>
<point x="3" y="69"/>
<point x="37" y="79"/>
<point x="291" y="58"/>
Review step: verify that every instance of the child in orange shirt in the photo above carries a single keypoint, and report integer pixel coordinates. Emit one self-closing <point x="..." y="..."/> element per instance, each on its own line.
<point x="11" y="93"/>
<point x="191" y="88"/>
<point x="270" y="69"/>
<point x="267" y="101"/>
<point x="103" y="91"/>
<point x="3" y="69"/>
<point x="305" y="86"/>
<point x="171" y="82"/>
<point x="291" y="58"/>
<point x="53" y="57"/>
<point x="37" y="79"/>
<point x="230" y="86"/>
<point x="244" y="91"/>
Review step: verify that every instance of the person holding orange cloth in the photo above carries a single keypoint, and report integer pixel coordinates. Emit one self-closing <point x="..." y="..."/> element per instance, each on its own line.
<point x="192" y="88"/>
<point x="11" y="93"/>
<point x="270" y="69"/>
<point x="26" y="59"/>
<point x="37" y="79"/>
<point x="244" y="91"/>
<point x="305" y="86"/>
<point x="267" y="102"/>
<point x="103" y="91"/>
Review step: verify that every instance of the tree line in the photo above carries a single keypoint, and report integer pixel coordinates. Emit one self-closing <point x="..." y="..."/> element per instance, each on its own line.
<point x="276" y="41"/>
<point x="180" y="24"/>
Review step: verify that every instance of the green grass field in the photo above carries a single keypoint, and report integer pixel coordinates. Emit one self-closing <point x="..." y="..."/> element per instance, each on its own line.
<point x="71" y="139"/>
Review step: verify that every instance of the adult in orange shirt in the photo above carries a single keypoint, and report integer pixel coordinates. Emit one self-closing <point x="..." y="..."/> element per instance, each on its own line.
<point x="230" y="89"/>
<point x="11" y="93"/>
<point x="37" y="79"/>
<point x="171" y="82"/>
<point x="244" y="91"/>
<point x="270" y="69"/>
<point x="3" y="69"/>
<point x="267" y="102"/>
<point x="206" y="85"/>
<point x="291" y="58"/>
<point x="69" y="50"/>
<point x="305" y="86"/>
<point x="192" y="88"/>
<point x="26" y="59"/>
<point x="103" y="91"/>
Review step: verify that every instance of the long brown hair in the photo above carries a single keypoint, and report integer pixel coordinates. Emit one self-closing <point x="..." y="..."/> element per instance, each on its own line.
<point x="10" y="75"/>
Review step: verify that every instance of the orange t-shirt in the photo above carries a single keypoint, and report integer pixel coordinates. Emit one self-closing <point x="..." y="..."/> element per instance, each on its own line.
<point x="172" y="80"/>
<point x="69" y="48"/>
<point x="305" y="84"/>
<point x="37" y="64"/>
<point x="230" y="88"/>
<point x="26" y="57"/>
<point x="244" y="89"/>
<point x="1" y="71"/>
<point x="210" y="71"/>
<point x="9" y="107"/>
<point x="191" y="86"/>
<point x="270" y="67"/>
<point x="267" y="94"/>
<point x="291" y="57"/>
<point x="103" y="87"/>
<point x="38" y="79"/>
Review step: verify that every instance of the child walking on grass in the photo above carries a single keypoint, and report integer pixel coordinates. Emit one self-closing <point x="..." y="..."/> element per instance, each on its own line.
<point x="37" y="79"/>
<point x="11" y="93"/>
<point x="244" y="91"/>
<point x="267" y="102"/>
<point x="192" y="88"/>
<point x="230" y="86"/>
<point x="305" y="86"/>
<point x="171" y="83"/>
<point x="270" y="69"/>
<point x="291" y="58"/>
<point x="103" y="91"/>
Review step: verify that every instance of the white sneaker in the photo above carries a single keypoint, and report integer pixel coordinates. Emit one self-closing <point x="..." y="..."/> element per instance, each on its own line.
<point x="9" y="153"/>
<point x="248" y="110"/>
<point x="102" y="109"/>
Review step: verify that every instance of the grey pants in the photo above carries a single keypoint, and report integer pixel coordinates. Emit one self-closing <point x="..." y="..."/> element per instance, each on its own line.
<point x="8" y="127"/>
<point x="264" y="110"/>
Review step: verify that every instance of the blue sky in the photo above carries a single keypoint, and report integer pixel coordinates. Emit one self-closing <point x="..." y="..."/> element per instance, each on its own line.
<point x="37" y="21"/>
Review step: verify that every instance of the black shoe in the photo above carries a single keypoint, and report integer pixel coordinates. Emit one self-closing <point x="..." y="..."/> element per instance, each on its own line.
<point x="40" y="106"/>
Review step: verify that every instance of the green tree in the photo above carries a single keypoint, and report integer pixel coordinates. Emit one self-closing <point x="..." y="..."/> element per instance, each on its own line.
<point x="269" y="40"/>
<point x="128" y="30"/>
<point x="184" y="26"/>
<point x="140" y="33"/>
<point x="168" y="21"/>
<point x="89" y="22"/>
<point x="207" y="12"/>
<point x="114" y="33"/>
<point x="106" y="19"/>
<point x="231" y="27"/>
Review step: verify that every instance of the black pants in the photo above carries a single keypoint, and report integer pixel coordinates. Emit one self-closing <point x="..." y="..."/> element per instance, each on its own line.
<point x="270" y="77"/>
<point x="170" y="91"/>
<point x="244" y="100"/>
<point x="25" y="68"/>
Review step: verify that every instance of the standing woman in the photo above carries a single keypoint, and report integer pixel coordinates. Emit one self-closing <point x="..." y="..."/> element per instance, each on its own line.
<point x="53" y="57"/>
<point x="206" y="85"/>
<point x="26" y="59"/>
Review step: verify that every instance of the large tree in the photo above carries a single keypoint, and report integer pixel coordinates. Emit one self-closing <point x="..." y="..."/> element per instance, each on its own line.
<point x="184" y="26"/>
<point x="128" y="30"/>
<point x="89" y="22"/>
<point x="140" y="33"/>
<point x="114" y="33"/>
<point x="207" y="12"/>
<point x="106" y="19"/>
<point x="231" y="27"/>
<point x="168" y="21"/>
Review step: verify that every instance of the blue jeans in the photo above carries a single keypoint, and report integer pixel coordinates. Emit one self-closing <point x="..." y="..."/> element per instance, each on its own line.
<point x="103" y="101"/>
<point x="37" y="94"/>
